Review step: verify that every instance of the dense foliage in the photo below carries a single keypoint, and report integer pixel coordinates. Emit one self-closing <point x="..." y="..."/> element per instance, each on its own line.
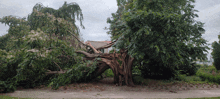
<point x="162" y="35"/>
<point x="209" y="74"/>
<point x="42" y="43"/>
<point x="216" y="53"/>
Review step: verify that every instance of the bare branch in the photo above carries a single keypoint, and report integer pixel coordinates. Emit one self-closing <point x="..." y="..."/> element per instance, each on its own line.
<point x="88" y="55"/>
<point x="56" y="72"/>
<point x="107" y="46"/>
<point x="95" y="50"/>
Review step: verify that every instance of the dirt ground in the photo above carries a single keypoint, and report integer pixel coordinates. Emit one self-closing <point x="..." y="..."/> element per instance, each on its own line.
<point x="106" y="89"/>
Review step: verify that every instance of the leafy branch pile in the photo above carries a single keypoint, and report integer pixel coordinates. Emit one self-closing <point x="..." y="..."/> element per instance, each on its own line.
<point x="42" y="43"/>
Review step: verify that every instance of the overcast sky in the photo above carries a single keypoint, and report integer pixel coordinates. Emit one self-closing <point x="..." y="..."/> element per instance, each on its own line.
<point x="96" y="12"/>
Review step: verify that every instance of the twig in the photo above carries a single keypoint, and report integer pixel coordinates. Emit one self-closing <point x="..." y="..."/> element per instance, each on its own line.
<point x="57" y="66"/>
<point x="56" y="72"/>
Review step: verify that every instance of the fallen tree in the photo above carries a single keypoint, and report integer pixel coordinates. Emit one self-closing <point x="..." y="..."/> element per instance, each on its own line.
<point x="122" y="72"/>
<point x="46" y="49"/>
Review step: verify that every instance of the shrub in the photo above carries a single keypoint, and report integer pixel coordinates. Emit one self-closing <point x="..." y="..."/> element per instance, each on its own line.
<point x="205" y="73"/>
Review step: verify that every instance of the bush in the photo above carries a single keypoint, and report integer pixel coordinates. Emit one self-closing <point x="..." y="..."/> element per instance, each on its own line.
<point x="8" y="86"/>
<point x="206" y="74"/>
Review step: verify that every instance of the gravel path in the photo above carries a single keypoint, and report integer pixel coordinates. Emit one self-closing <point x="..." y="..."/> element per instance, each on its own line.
<point x="106" y="89"/>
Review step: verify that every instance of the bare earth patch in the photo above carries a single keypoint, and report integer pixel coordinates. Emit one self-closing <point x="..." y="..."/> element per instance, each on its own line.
<point x="106" y="89"/>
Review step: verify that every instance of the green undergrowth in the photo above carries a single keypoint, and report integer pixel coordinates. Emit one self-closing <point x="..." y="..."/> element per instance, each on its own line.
<point x="209" y="74"/>
<point x="205" y="75"/>
<point x="185" y="78"/>
<point x="138" y="80"/>
<point x="109" y="73"/>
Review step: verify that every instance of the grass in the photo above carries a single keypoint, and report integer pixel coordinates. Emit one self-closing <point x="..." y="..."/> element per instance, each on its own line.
<point x="195" y="79"/>
<point x="205" y="98"/>
<point x="9" y="97"/>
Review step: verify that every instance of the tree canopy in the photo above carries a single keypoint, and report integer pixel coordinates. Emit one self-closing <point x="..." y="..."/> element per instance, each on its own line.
<point x="161" y="34"/>
<point x="43" y="43"/>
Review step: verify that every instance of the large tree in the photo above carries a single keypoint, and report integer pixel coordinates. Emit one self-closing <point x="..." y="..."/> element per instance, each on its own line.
<point x="162" y="35"/>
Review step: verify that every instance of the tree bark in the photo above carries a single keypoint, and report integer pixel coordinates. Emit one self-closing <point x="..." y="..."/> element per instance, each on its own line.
<point x="122" y="72"/>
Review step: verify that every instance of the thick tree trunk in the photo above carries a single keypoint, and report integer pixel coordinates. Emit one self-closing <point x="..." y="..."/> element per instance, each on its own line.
<point x="122" y="72"/>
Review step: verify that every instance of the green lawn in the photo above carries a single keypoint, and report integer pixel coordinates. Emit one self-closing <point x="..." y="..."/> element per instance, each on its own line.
<point x="206" y="98"/>
<point x="8" y="97"/>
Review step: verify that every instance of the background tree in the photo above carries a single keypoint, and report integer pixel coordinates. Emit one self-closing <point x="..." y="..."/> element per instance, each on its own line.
<point x="161" y="35"/>
<point x="215" y="53"/>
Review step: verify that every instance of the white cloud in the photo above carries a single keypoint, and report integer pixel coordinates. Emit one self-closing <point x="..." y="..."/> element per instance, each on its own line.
<point x="209" y="13"/>
<point x="210" y="16"/>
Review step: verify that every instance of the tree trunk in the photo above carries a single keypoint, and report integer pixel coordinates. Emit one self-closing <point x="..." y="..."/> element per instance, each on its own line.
<point x="122" y="72"/>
